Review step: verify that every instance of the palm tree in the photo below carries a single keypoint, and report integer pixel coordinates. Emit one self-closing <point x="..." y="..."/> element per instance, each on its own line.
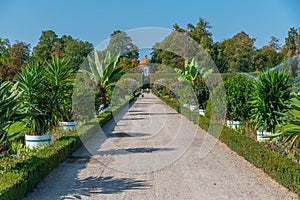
<point x="104" y="73"/>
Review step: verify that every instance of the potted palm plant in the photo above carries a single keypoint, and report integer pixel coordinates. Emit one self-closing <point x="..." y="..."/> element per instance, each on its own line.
<point x="59" y="78"/>
<point x="272" y="94"/>
<point x="67" y="122"/>
<point x="38" y="124"/>
<point x="34" y="103"/>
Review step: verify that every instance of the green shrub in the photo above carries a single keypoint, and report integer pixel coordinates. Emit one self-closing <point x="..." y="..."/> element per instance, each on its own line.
<point x="226" y="76"/>
<point x="12" y="185"/>
<point x="238" y="90"/>
<point x="216" y="105"/>
<point x="208" y="109"/>
<point x="27" y="174"/>
<point x="204" y="122"/>
<point x="191" y="115"/>
<point x="201" y="91"/>
<point x="172" y="103"/>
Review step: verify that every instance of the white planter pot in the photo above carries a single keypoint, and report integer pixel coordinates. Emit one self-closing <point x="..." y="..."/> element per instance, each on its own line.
<point x="35" y="141"/>
<point x="67" y="125"/>
<point x="260" y="134"/>
<point x="186" y="105"/>
<point x="233" y="124"/>
<point x="202" y="112"/>
<point x="192" y="107"/>
<point x="105" y="109"/>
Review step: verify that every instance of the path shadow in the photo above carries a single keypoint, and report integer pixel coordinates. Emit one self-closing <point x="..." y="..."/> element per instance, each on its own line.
<point x="83" y="188"/>
<point x="142" y="103"/>
<point x="104" y="185"/>
<point x="139" y="105"/>
<point x="65" y="184"/>
<point x="122" y="134"/>
<point x="154" y="114"/>
<point x="132" y="150"/>
<point x="150" y="98"/>
<point x="135" y="118"/>
<point x="135" y="111"/>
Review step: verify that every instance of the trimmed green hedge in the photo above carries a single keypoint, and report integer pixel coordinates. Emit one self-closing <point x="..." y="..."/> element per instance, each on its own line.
<point x="172" y="103"/>
<point x="193" y="116"/>
<point x="279" y="167"/>
<point x="26" y="175"/>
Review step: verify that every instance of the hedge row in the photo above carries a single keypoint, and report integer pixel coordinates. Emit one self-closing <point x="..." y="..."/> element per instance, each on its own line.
<point x="26" y="175"/>
<point x="279" y="167"/>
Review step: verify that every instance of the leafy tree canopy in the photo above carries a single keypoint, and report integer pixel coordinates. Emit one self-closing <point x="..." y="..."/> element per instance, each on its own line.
<point x="121" y="43"/>
<point x="74" y="50"/>
<point x="13" y="58"/>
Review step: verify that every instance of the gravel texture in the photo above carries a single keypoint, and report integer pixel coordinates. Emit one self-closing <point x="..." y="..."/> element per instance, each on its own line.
<point x="152" y="152"/>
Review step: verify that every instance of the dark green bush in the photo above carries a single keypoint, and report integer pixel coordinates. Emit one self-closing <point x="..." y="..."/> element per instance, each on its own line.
<point x="238" y="90"/>
<point x="201" y="91"/>
<point x="226" y="76"/>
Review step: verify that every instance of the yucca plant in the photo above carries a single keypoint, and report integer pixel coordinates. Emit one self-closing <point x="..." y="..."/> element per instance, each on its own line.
<point x="271" y="94"/>
<point x="289" y="129"/>
<point x="34" y="98"/>
<point x="9" y="111"/>
<point x="59" y="78"/>
<point x="104" y="73"/>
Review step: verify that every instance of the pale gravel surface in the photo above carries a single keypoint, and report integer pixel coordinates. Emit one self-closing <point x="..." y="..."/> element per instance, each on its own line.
<point x="149" y="155"/>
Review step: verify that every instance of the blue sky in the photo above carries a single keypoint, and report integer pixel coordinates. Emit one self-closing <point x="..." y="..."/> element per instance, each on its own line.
<point x="95" y="20"/>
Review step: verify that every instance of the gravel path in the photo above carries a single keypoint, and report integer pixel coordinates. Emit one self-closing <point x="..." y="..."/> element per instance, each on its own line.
<point x="152" y="152"/>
